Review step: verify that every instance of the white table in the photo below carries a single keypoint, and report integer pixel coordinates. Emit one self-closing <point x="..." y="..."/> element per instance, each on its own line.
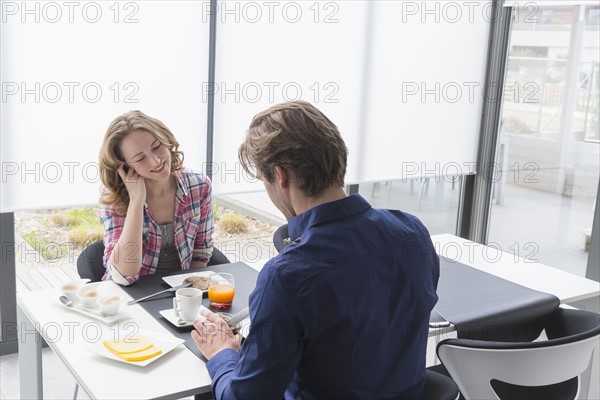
<point x="69" y="334"/>
<point x="181" y="373"/>
<point x="503" y="263"/>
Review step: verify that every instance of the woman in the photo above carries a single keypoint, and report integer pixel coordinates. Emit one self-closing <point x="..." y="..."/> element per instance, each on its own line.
<point x="156" y="214"/>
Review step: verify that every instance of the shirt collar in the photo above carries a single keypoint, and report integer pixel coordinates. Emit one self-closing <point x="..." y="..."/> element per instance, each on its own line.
<point x="181" y="188"/>
<point x="335" y="210"/>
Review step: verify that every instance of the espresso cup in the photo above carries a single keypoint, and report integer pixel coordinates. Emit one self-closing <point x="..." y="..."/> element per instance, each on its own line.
<point x="88" y="295"/>
<point x="186" y="303"/>
<point x="109" y="305"/>
<point x="71" y="288"/>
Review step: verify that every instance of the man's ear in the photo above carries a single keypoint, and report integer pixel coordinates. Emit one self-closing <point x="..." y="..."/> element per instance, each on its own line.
<point x="281" y="176"/>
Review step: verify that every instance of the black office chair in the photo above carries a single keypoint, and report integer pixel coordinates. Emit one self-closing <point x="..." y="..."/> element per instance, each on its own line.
<point x="90" y="261"/>
<point x="557" y="368"/>
<point x="281" y="238"/>
<point x="217" y="258"/>
<point x="439" y="387"/>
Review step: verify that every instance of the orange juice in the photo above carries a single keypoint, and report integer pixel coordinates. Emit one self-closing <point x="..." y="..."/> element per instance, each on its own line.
<point x="221" y="296"/>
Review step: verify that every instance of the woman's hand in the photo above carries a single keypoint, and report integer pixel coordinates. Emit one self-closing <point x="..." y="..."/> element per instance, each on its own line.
<point x="134" y="183"/>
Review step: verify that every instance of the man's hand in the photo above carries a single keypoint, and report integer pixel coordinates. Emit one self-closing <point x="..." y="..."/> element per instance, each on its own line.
<point x="214" y="335"/>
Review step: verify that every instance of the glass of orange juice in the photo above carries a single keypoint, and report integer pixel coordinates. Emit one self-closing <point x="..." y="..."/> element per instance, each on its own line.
<point x="221" y="289"/>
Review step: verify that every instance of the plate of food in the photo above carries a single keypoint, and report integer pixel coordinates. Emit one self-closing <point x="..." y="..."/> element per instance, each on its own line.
<point x="137" y="348"/>
<point x="199" y="279"/>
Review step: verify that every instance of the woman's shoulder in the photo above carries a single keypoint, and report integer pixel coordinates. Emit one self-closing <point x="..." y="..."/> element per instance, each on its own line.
<point x="107" y="206"/>
<point x="192" y="178"/>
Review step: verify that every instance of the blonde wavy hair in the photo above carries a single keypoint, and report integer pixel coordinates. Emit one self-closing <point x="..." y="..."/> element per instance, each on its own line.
<point x="111" y="158"/>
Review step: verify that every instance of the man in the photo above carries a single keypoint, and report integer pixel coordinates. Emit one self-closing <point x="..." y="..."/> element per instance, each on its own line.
<point x="341" y="312"/>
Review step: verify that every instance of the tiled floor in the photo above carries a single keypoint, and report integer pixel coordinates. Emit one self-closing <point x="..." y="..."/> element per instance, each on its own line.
<point x="58" y="381"/>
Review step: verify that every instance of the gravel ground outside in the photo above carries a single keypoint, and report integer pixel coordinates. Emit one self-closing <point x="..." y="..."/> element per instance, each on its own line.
<point x="253" y="245"/>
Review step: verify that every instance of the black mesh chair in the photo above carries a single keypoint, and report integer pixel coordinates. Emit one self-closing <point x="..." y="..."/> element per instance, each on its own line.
<point x="90" y="261"/>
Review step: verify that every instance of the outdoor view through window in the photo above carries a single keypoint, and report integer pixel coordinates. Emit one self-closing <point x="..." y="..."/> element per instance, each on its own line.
<point x="543" y="204"/>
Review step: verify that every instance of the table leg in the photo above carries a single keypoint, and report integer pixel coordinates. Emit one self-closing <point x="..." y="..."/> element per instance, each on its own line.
<point x="30" y="357"/>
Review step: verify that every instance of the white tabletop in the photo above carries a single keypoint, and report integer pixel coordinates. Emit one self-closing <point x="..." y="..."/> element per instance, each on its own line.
<point x="505" y="264"/>
<point x="177" y="374"/>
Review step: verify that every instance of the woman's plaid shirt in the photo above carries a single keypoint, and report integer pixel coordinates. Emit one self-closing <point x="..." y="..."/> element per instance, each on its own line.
<point x="193" y="227"/>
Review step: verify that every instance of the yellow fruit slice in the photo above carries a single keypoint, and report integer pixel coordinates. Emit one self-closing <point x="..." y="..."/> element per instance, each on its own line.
<point x="128" y="344"/>
<point x="141" y="355"/>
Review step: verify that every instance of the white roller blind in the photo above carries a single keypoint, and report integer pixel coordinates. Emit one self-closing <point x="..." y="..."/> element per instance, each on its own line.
<point x="69" y="68"/>
<point x="375" y="71"/>
<point x="426" y="82"/>
<point x="269" y="52"/>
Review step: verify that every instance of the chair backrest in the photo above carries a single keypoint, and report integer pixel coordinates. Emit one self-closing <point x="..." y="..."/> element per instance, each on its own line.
<point x="281" y="237"/>
<point x="559" y="368"/>
<point x="90" y="262"/>
<point x="217" y="258"/>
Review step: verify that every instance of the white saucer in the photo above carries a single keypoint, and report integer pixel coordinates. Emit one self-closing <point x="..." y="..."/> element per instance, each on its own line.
<point x="169" y="314"/>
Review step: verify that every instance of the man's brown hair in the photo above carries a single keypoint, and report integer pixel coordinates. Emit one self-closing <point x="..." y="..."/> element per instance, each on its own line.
<point x="300" y="138"/>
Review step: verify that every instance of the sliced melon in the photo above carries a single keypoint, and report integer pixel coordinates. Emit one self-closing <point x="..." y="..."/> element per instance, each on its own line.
<point x="128" y="344"/>
<point x="141" y="355"/>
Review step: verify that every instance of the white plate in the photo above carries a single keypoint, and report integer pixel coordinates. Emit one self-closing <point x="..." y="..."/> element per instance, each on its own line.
<point x="163" y="342"/>
<point x="176" y="280"/>
<point x="170" y="316"/>
<point x="108" y="319"/>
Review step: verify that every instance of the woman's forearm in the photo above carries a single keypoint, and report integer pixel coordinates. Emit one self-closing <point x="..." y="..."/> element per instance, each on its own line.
<point x="127" y="254"/>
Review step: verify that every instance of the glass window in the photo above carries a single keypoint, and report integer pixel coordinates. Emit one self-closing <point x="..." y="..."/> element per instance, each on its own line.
<point x="434" y="200"/>
<point x="543" y="206"/>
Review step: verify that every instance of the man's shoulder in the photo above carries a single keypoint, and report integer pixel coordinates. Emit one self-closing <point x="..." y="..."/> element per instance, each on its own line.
<point x="286" y="265"/>
<point x="402" y="221"/>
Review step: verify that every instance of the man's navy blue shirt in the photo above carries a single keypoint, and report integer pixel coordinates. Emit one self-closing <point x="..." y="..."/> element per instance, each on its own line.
<point x="342" y="312"/>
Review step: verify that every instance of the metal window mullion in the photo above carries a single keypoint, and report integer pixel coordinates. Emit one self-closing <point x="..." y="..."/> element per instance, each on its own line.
<point x="593" y="264"/>
<point x="210" y="105"/>
<point x="8" y="287"/>
<point x="490" y="126"/>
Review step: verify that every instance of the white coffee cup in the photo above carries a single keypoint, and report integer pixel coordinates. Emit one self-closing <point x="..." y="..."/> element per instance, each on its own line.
<point x="71" y="288"/>
<point x="109" y="305"/>
<point x="88" y="295"/>
<point x="186" y="303"/>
